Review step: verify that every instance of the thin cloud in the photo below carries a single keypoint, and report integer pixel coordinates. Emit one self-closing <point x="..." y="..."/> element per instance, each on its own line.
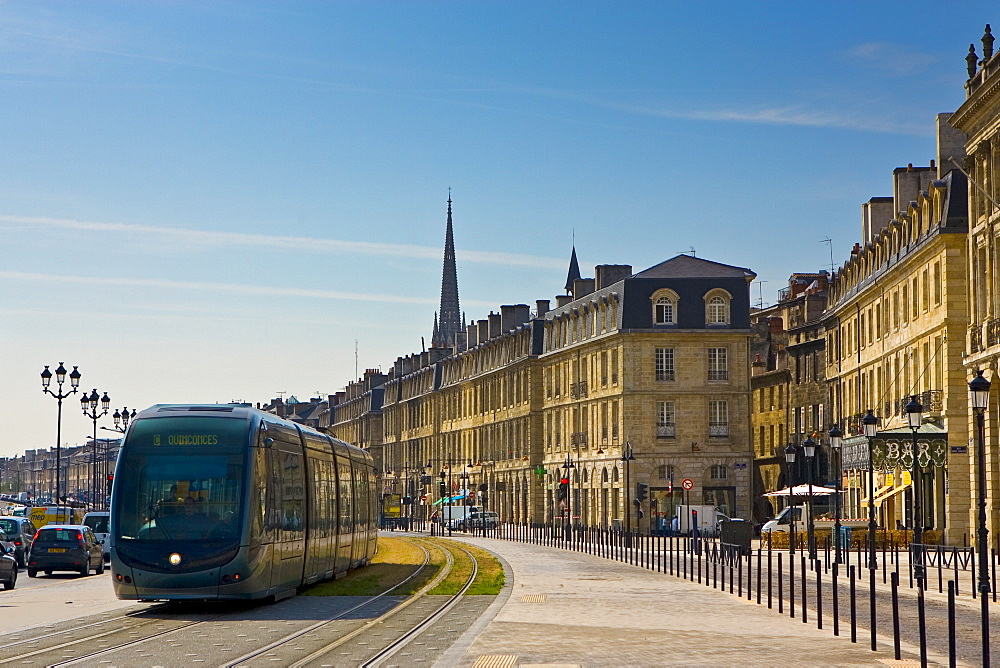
<point x="225" y="288"/>
<point x="890" y="58"/>
<point x="311" y="244"/>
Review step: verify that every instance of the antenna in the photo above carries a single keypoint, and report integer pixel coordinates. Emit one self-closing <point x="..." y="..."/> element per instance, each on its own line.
<point x="689" y="251"/>
<point x="829" y="242"/>
<point x="356" y="356"/>
<point x="281" y="395"/>
<point x="760" y="287"/>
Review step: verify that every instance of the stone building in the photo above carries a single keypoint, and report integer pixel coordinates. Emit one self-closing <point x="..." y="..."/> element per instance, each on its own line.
<point x="896" y="329"/>
<point x="790" y="395"/>
<point x="979" y="119"/>
<point x="355" y="415"/>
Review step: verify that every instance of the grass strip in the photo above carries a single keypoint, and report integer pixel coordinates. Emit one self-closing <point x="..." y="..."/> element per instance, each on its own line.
<point x="395" y="560"/>
<point x="490" y="578"/>
<point x="460" y="572"/>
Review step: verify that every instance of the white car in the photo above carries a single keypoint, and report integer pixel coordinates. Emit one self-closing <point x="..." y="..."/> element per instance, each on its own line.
<point x="99" y="522"/>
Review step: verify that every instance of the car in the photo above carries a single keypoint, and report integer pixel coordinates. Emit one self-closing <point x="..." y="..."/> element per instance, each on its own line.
<point x="8" y="567"/>
<point x="18" y="531"/>
<point x="476" y="520"/>
<point x="99" y="521"/>
<point x="65" y="547"/>
<point x="481" y="519"/>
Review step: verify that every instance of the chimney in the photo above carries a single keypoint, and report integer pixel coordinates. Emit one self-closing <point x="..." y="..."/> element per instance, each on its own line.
<point x="472" y="335"/>
<point x="541" y="308"/>
<point x="582" y="287"/>
<point x="494" y="320"/>
<point x="876" y="214"/>
<point x="609" y="274"/>
<point x="522" y="313"/>
<point x="908" y="182"/>
<point x="776" y="325"/>
<point x="759" y="366"/>
<point x="483" y="331"/>
<point x="950" y="144"/>
<point x="562" y="300"/>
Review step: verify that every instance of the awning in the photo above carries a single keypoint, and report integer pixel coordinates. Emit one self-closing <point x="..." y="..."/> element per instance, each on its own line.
<point x="803" y="490"/>
<point x="892" y="492"/>
<point x="879" y="492"/>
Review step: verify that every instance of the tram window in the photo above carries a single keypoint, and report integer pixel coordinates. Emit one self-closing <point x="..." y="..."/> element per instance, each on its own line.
<point x="346" y="502"/>
<point x="258" y="505"/>
<point x="194" y="497"/>
<point x="292" y="495"/>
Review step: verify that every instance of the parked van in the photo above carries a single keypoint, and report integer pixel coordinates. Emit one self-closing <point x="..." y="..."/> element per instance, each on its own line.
<point x="99" y="522"/>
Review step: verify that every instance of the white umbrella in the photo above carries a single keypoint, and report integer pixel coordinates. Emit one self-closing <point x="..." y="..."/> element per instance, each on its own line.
<point x="803" y="490"/>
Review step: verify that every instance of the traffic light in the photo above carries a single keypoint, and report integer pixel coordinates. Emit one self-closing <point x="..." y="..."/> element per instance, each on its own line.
<point x="563" y="489"/>
<point x="641" y="492"/>
<point x="111" y="480"/>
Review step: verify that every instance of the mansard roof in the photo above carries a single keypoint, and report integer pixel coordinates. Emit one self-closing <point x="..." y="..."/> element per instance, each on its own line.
<point x="686" y="266"/>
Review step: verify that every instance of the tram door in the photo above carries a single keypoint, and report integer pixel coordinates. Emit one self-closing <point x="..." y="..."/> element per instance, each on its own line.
<point x="287" y="490"/>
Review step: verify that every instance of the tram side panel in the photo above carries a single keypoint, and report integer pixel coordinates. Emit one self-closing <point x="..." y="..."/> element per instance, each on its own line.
<point x="319" y="543"/>
<point x="287" y="490"/>
<point x="345" y="508"/>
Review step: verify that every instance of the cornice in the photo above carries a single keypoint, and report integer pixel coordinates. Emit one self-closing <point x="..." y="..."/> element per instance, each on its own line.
<point x="969" y="112"/>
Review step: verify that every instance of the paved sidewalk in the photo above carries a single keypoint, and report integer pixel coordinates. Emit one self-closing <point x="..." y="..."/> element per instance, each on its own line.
<point x="564" y="608"/>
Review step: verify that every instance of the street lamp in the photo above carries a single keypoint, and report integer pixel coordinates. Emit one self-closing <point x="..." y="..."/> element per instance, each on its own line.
<point x="979" y="388"/>
<point x="809" y="449"/>
<point x="836" y="435"/>
<point x="914" y="416"/>
<point x="121" y="419"/>
<point x="567" y="465"/>
<point x="626" y="458"/>
<point x="90" y="410"/>
<point x="74" y="381"/>
<point x="790" y="459"/>
<point x="870" y="424"/>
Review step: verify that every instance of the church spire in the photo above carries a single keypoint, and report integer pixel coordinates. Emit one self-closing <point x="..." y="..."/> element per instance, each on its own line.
<point x="574" y="272"/>
<point x="448" y="320"/>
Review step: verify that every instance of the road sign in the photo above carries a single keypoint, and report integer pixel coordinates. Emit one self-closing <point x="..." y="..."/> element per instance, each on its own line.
<point x="687" y="483"/>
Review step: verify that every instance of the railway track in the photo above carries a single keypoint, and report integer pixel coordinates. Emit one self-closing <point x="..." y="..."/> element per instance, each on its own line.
<point x="367" y="629"/>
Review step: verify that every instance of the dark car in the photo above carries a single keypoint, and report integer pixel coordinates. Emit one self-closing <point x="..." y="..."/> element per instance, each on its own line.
<point x="18" y="531"/>
<point x="65" y="547"/>
<point x="8" y="567"/>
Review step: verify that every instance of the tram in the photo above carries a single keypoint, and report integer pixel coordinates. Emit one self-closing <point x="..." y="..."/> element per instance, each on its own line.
<point x="223" y="501"/>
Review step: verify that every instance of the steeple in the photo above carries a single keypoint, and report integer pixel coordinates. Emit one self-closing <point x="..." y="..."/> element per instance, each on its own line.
<point x="448" y="320"/>
<point x="574" y="272"/>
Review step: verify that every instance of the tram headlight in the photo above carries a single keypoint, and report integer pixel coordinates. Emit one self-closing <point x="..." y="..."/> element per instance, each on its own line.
<point x="174" y="559"/>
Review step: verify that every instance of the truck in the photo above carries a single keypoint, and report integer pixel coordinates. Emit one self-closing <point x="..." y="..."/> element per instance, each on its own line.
<point x="707" y="519"/>
<point x="42" y="515"/>
<point x="783" y="522"/>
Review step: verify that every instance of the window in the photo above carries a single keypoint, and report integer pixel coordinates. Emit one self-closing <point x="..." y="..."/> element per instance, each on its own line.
<point x="937" y="283"/>
<point x="718" y="417"/>
<point x="664" y="311"/>
<point x="665" y="364"/>
<point x="665" y="472"/>
<point x="718" y="364"/>
<point x="716" y="313"/>
<point x="666" y="419"/>
<point x="719" y="472"/>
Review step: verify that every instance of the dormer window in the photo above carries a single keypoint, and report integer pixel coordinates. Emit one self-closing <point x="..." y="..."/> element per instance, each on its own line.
<point x="665" y="312"/>
<point x="664" y="304"/>
<point x="717" y="308"/>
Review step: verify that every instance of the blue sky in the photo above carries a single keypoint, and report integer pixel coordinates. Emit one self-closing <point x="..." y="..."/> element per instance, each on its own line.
<point x="223" y="200"/>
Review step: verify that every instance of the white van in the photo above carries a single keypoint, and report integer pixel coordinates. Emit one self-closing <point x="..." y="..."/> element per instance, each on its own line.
<point x="99" y="522"/>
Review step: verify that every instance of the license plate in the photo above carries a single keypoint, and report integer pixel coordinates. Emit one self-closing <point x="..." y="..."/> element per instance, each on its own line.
<point x="57" y="549"/>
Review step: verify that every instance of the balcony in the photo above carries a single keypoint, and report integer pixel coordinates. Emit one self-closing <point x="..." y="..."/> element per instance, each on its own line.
<point x="718" y="430"/>
<point x="932" y="401"/>
<point x="578" y="390"/>
<point x="578" y="438"/>
<point x="666" y="430"/>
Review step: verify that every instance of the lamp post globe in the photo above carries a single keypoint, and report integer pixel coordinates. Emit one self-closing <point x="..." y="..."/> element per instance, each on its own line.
<point x="790" y="459"/>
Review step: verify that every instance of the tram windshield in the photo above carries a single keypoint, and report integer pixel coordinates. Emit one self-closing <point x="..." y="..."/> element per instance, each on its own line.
<point x="181" y="478"/>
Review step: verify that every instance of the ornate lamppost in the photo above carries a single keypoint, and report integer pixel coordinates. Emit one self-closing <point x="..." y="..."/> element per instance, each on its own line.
<point x="74" y="381"/>
<point x="568" y="465"/>
<point x="809" y="450"/>
<point x="790" y="459"/>
<point x="979" y="389"/>
<point x="836" y="436"/>
<point x="90" y="410"/>
<point x="627" y="457"/>
<point x="870" y="424"/>
<point x="914" y="416"/>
